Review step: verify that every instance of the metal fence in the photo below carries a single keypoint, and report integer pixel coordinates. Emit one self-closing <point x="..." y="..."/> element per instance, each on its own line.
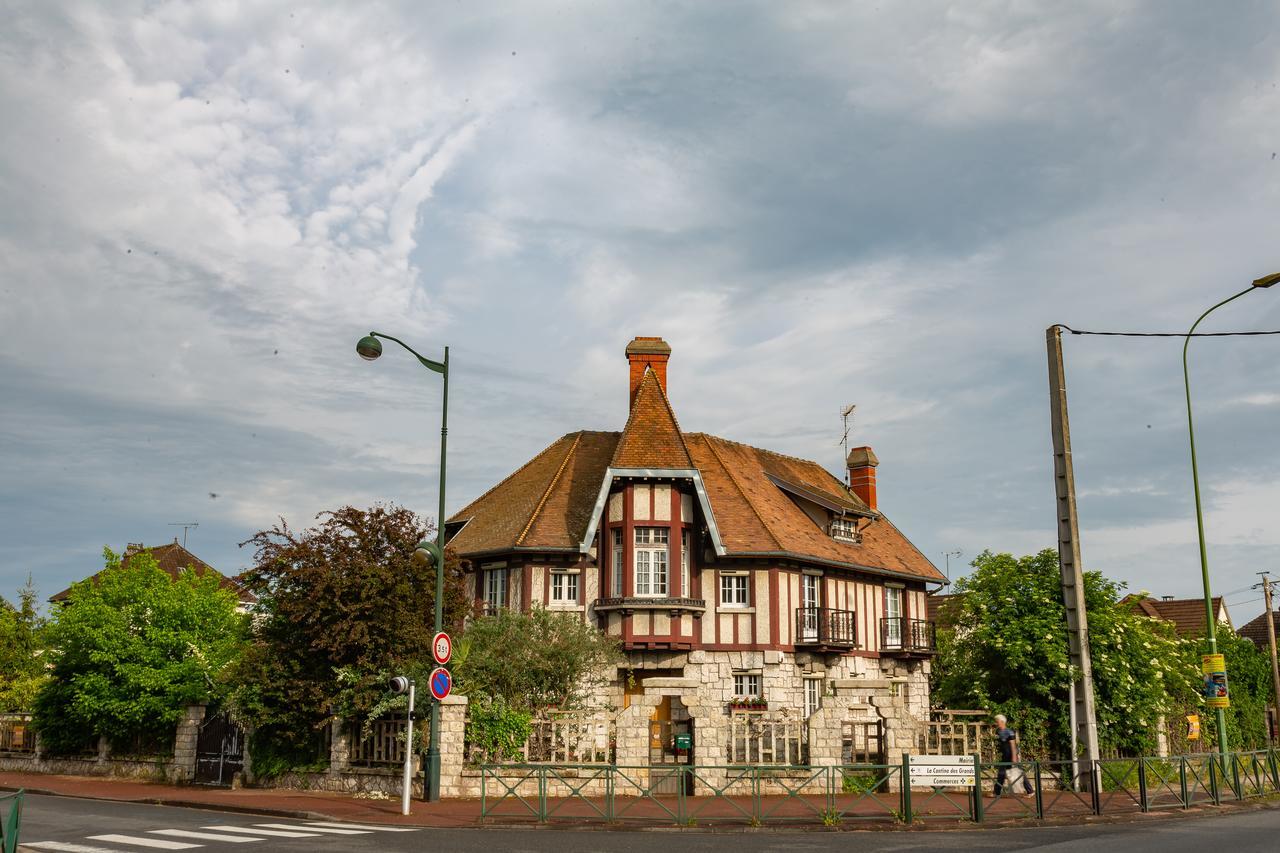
<point x="852" y="794"/>
<point x="11" y="822"/>
<point x="16" y="734"/>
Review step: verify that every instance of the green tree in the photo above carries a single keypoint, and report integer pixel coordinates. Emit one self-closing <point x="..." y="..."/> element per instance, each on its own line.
<point x="534" y="660"/>
<point x="340" y="606"/>
<point x="129" y="649"/>
<point x="22" y="666"/>
<point x="1003" y="647"/>
<point x="512" y="665"/>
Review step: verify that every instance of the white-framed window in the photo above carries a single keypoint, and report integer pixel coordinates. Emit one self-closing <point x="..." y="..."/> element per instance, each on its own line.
<point x="734" y="590"/>
<point x="746" y="685"/>
<point x="812" y="696"/>
<point x="651" y="558"/>
<point x="845" y="530"/>
<point x="684" y="564"/>
<point x="564" y="586"/>
<point x="615" y="565"/>
<point x="893" y="617"/>
<point x="495" y="589"/>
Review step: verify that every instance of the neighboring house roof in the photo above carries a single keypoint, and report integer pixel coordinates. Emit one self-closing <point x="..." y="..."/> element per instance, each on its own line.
<point x="1256" y="630"/>
<point x="549" y="502"/>
<point x="1186" y="614"/>
<point x="942" y="607"/>
<point x="172" y="559"/>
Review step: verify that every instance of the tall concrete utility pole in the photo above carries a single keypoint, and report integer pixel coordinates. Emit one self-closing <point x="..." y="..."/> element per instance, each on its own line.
<point x="1271" y="638"/>
<point x="1084" y="720"/>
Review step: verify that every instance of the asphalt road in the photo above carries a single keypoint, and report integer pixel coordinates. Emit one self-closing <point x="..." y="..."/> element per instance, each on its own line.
<point x="93" y="826"/>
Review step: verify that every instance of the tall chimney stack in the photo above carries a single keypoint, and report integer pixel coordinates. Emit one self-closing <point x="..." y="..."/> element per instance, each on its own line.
<point x="645" y="352"/>
<point x="862" y="475"/>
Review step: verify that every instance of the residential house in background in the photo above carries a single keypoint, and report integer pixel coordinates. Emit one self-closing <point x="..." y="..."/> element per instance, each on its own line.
<point x="1186" y="614"/>
<point x="1255" y="630"/>
<point x="172" y="559"/>
<point x="769" y="613"/>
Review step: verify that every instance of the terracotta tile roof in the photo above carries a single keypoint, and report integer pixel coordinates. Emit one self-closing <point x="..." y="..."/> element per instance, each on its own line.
<point x="652" y="438"/>
<point x="1256" y="630"/>
<point x="1186" y="614"/>
<point x="756" y="516"/>
<point x="172" y="559"/>
<point x="546" y="503"/>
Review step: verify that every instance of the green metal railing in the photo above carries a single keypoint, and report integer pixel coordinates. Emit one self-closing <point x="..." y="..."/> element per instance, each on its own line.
<point x="758" y="795"/>
<point x="11" y="822"/>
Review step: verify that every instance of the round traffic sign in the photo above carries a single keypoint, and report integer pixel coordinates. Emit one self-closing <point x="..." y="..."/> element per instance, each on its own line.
<point x="441" y="682"/>
<point x="441" y="648"/>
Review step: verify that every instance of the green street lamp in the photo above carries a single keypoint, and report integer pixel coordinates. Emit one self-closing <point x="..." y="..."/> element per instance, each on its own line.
<point x="369" y="348"/>
<point x="1210" y="622"/>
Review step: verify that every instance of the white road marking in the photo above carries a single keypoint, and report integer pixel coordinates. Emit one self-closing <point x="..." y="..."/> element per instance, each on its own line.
<point x="369" y="827"/>
<point x="313" y="828"/>
<point x="65" y="847"/>
<point x="145" y="842"/>
<point x="207" y="836"/>
<point x="277" y="833"/>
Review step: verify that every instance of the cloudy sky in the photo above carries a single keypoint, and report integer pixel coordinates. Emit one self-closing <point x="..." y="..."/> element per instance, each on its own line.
<point x="816" y="204"/>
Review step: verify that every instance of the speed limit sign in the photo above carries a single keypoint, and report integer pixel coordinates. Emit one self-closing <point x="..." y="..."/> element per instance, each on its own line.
<point x="442" y="648"/>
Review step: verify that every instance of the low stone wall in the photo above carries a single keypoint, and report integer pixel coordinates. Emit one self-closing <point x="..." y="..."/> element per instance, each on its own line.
<point x="373" y="781"/>
<point x="158" y="768"/>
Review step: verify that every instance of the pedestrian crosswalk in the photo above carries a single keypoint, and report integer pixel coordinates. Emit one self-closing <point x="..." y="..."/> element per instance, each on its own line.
<point x="172" y="838"/>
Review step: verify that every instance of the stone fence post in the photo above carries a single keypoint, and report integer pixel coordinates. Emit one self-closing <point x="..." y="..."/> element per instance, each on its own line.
<point x="339" y="746"/>
<point x="453" y="728"/>
<point x="183" y="767"/>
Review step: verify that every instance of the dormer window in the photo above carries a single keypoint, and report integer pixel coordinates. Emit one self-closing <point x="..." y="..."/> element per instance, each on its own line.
<point x="845" y="530"/>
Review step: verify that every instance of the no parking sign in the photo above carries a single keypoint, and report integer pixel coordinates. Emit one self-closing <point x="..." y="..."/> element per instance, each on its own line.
<point x="441" y="683"/>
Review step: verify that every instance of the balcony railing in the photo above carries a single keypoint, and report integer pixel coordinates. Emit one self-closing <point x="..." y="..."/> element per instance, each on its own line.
<point x="822" y="626"/>
<point x="899" y="634"/>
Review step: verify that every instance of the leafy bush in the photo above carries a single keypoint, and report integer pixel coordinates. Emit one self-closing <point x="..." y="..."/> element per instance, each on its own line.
<point x="495" y="730"/>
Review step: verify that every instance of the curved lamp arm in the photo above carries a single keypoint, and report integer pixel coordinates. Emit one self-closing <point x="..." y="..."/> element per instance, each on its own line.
<point x="438" y="367"/>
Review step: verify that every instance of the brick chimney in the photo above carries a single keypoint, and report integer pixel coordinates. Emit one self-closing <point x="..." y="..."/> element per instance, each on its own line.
<point x="645" y="352"/>
<point x="862" y="474"/>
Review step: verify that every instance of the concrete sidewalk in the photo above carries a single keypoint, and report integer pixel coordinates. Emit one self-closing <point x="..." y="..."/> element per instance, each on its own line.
<point x="314" y="805"/>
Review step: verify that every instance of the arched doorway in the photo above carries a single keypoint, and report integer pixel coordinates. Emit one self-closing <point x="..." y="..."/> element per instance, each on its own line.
<point x="671" y="747"/>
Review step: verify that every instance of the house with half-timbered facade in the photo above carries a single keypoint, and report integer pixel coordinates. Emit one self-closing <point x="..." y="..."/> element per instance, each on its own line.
<point x="769" y="611"/>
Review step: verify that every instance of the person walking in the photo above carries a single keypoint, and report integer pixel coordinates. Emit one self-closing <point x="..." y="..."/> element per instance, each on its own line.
<point x="1007" y="739"/>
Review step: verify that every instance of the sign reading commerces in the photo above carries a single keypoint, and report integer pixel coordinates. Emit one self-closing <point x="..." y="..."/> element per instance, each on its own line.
<point x="441" y="648"/>
<point x="942" y="771"/>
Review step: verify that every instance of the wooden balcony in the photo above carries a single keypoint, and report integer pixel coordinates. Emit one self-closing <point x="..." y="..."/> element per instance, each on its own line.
<point x="907" y="637"/>
<point x="824" y="629"/>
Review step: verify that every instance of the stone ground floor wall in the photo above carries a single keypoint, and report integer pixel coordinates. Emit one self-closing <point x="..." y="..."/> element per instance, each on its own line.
<point x="701" y="688"/>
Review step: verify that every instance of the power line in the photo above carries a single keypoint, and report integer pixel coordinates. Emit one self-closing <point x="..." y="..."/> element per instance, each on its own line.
<point x="1166" y="334"/>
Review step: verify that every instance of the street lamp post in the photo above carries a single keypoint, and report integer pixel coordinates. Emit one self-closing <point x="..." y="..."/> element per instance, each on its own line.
<point x="427" y="552"/>
<point x="1210" y="622"/>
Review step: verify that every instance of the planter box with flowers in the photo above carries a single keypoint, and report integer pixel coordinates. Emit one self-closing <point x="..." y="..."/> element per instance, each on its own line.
<point x="748" y="705"/>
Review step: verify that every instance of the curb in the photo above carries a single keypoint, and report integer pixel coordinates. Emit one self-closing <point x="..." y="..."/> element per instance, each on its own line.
<point x="1159" y="816"/>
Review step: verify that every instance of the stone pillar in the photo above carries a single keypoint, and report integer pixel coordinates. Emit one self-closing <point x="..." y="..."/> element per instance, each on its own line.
<point x="339" y="746"/>
<point x="104" y="749"/>
<point x="453" y="729"/>
<point x="183" y="767"/>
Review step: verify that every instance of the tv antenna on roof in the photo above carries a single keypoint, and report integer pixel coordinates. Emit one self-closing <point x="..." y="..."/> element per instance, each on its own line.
<point x="846" y="416"/>
<point x="185" y="525"/>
